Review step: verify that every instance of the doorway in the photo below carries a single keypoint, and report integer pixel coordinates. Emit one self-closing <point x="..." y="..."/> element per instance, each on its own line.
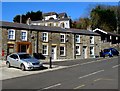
<point x="24" y="47"/>
<point x="85" y="52"/>
<point x="53" y="52"/>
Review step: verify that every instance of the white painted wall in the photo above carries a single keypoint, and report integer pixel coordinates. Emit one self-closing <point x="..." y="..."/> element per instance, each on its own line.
<point x="52" y="16"/>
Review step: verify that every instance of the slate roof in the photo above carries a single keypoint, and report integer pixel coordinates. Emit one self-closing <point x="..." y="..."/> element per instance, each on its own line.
<point x="10" y="25"/>
<point x="49" y="14"/>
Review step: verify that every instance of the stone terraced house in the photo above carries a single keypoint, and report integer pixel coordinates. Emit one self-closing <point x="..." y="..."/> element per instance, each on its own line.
<point x="58" y="43"/>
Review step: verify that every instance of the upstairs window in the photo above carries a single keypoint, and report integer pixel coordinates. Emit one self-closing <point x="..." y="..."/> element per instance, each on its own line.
<point x="62" y="38"/>
<point x="91" y="39"/>
<point x="11" y="34"/>
<point x="45" y="37"/>
<point x="77" y="38"/>
<point x="24" y="35"/>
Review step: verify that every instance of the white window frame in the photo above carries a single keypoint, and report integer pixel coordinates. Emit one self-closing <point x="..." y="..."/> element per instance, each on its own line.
<point x="92" y="51"/>
<point x="62" y="38"/>
<point x="11" y="34"/>
<point x="45" y="38"/>
<point x="92" y="40"/>
<point x="77" y="50"/>
<point x="46" y="53"/>
<point x="77" y="38"/>
<point x="64" y="52"/>
<point x="24" y="35"/>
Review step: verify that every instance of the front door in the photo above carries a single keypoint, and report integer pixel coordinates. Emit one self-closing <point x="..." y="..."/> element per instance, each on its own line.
<point x="84" y="52"/>
<point x="24" y="47"/>
<point x="53" y="52"/>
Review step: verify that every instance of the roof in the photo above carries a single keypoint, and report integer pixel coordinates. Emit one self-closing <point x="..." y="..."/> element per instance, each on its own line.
<point x="107" y="33"/>
<point x="60" y="15"/>
<point x="10" y="25"/>
<point x="81" y="31"/>
<point x="50" y="13"/>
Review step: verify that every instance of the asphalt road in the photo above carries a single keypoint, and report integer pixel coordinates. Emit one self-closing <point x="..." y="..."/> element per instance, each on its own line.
<point x="88" y="74"/>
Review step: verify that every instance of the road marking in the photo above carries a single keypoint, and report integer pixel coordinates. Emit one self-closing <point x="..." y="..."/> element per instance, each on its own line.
<point x="97" y="79"/>
<point x="52" y="86"/>
<point x="90" y="74"/>
<point x="79" y="86"/>
<point x="116" y="66"/>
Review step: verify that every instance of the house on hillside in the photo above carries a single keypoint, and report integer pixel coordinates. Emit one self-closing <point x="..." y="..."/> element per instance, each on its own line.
<point x="53" y="19"/>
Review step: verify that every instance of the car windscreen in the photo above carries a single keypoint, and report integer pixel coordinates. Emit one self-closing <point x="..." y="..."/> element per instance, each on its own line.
<point x="24" y="56"/>
<point x="106" y="50"/>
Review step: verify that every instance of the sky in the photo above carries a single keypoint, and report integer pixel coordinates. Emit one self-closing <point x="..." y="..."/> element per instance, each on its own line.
<point x="73" y="9"/>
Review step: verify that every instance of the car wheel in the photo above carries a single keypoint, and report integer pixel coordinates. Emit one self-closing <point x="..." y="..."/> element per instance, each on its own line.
<point x="22" y="67"/>
<point x="8" y="64"/>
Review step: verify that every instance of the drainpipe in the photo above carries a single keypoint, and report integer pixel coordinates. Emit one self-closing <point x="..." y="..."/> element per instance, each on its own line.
<point x="37" y="42"/>
<point x="74" y="46"/>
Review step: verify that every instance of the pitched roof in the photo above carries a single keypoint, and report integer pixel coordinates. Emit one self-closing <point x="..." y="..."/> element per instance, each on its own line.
<point x="81" y="31"/>
<point x="60" y="15"/>
<point x="10" y="25"/>
<point x="107" y="33"/>
<point x="49" y="14"/>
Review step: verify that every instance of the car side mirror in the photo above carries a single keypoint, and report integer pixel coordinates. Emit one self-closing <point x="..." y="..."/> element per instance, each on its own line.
<point x="16" y="59"/>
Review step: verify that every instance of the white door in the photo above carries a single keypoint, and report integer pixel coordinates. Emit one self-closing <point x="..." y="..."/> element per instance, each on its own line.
<point x="84" y="52"/>
<point x="53" y="52"/>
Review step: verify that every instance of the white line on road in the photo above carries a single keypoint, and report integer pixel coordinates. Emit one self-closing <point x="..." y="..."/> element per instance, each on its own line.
<point x="90" y="74"/>
<point x="79" y="86"/>
<point x="53" y="86"/>
<point x="116" y="66"/>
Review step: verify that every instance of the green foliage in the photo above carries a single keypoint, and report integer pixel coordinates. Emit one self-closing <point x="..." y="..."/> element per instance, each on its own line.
<point x="82" y="23"/>
<point x="34" y="16"/>
<point x="103" y="18"/>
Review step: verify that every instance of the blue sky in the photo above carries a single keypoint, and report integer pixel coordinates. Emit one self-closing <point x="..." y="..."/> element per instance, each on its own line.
<point x="73" y="9"/>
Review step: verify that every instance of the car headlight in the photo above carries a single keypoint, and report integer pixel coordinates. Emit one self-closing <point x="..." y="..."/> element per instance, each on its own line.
<point x="29" y="63"/>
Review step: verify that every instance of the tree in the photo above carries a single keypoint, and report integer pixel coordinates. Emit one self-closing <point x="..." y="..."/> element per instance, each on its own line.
<point x="34" y="16"/>
<point x="103" y="18"/>
<point x="82" y="23"/>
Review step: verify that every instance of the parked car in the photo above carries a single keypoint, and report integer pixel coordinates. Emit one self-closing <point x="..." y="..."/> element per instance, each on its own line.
<point x="109" y="52"/>
<point x="114" y="51"/>
<point x="23" y="61"/>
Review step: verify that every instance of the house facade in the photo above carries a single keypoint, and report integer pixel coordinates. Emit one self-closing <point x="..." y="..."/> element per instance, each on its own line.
<point x="108" y="39"/>
<point x="55" y="42"/>
<point x="53" y="19"/>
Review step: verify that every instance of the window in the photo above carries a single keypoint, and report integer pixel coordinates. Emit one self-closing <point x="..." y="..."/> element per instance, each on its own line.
<point x="91" y="39"/>
<point x="45" y="49"/>
<point x="77" y="38"/>
<point x="24" y="35"/>
<point x="11" y="34"/>
<point x="77" y="50"/>
<point x="14" y="56"/>
<point x="62" y="51"/>
<point x="92" y="51"/>
<point x="45" y="37"/>
<point x="62" y="38"/>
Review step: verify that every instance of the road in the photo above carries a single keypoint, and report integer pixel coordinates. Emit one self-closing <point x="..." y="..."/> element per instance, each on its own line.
<point x="85" y="74"/>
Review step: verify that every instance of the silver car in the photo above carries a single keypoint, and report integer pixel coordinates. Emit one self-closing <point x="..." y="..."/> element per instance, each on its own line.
<point x="23" y="61"/>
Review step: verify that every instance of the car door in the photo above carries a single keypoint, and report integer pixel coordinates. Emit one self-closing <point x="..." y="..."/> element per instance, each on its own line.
<point x="14" y="60"/>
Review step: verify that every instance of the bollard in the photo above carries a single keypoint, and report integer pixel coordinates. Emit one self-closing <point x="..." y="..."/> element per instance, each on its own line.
<point x="50" y="62"/>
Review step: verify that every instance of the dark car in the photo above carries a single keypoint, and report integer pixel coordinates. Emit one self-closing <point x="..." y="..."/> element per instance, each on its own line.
<point x="114" y="51"/>
<point x="109" y="52"/>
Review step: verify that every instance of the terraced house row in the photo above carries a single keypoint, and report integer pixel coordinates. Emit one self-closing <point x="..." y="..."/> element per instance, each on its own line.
<point x="54" y="38"/>
<point x="54" y="42"/>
